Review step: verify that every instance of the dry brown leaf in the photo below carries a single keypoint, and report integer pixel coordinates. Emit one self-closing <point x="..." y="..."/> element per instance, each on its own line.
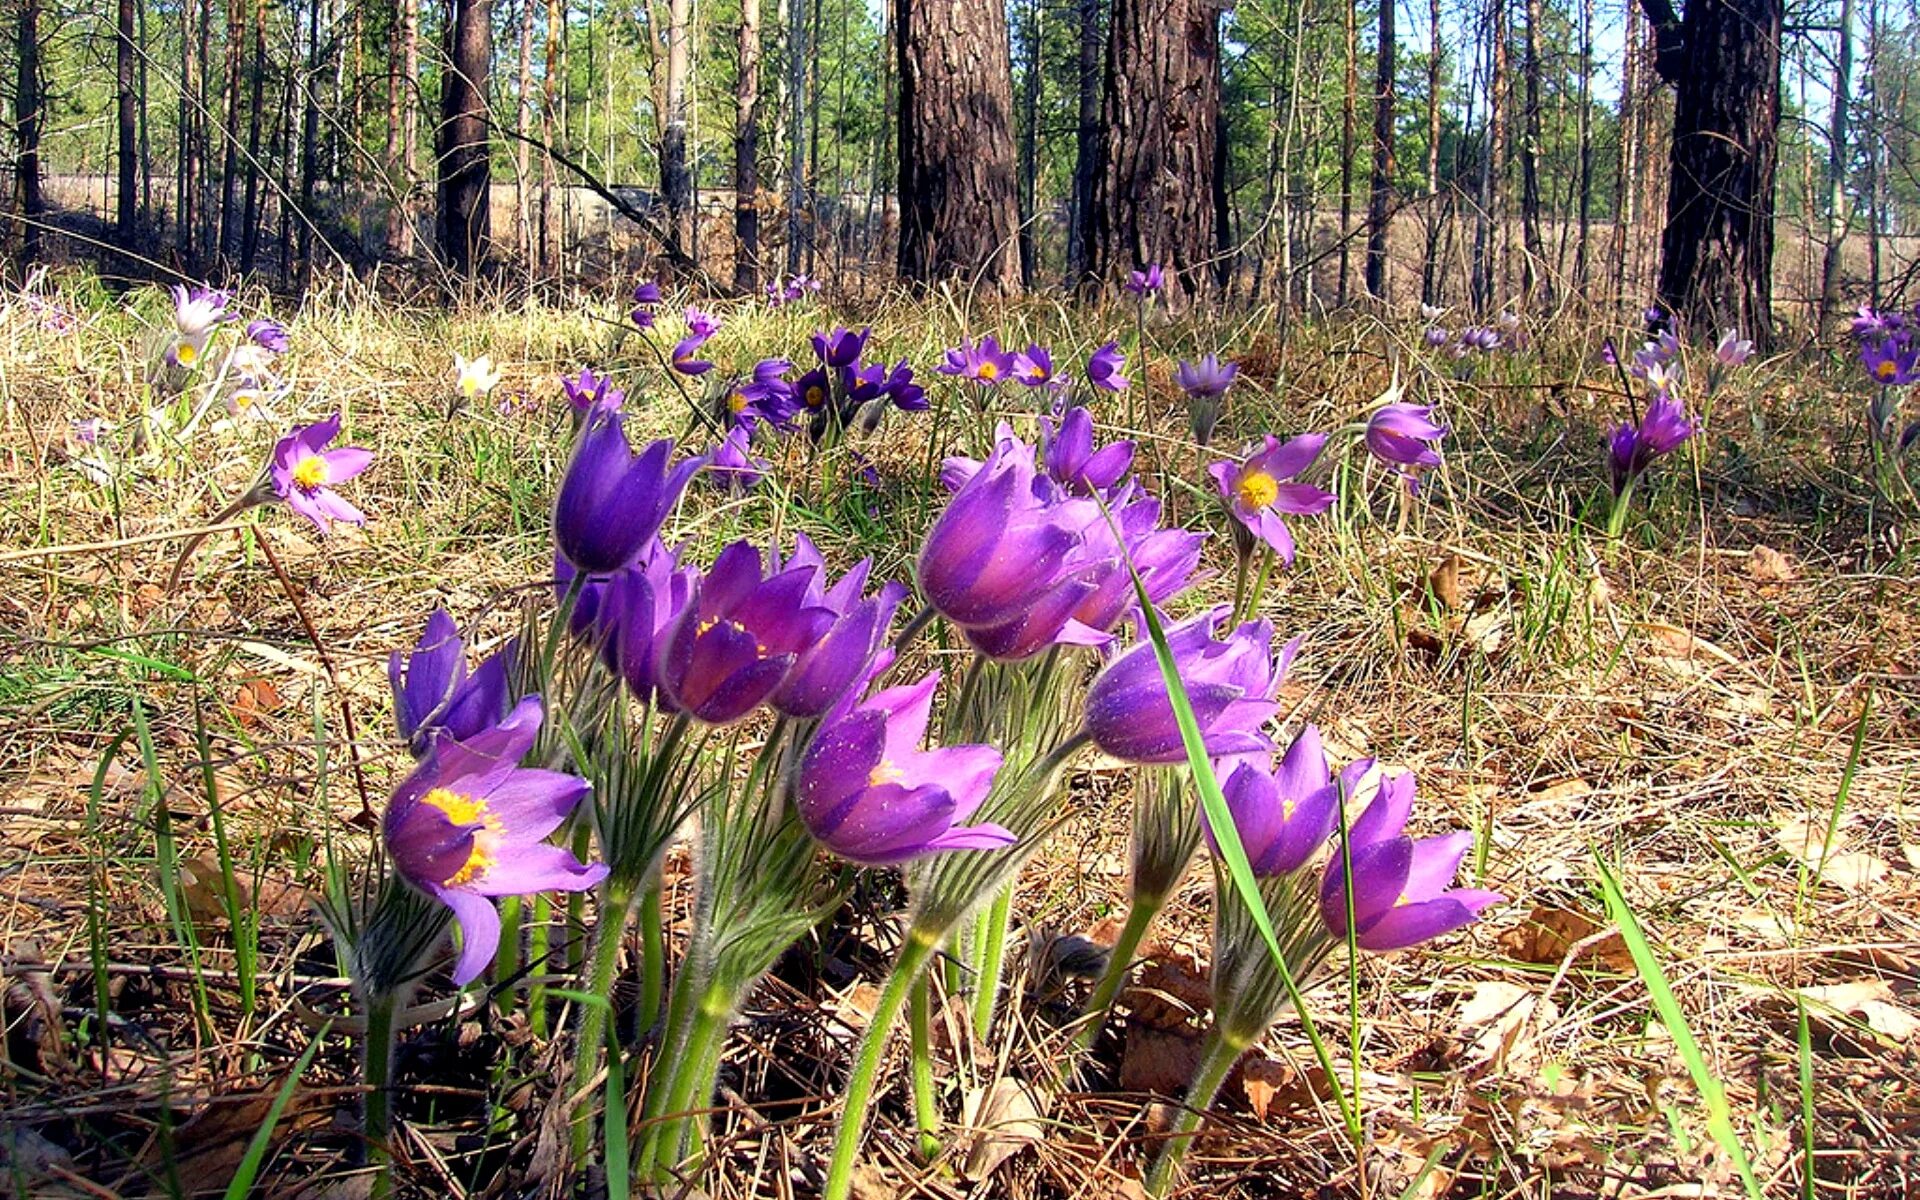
<point x="1549" y="934"/>
<point x="1106" y="931"/>
<point x="1684" y="643"/>
<point x="1871" y="1000"/>
<point x="857" y="1004"/>
<point x="870" y="1184"/>
<point x="1261" y="1079"/>
<point x="1168" y="993"/>
<point x="1159" y="1060"/>
<point x="1493" y="1019"/>
<point x="1004" y="1120"/>
<point x="1444" y="583"/>
<point x="1852" y="870"/>
<point x="1767" y="565"/>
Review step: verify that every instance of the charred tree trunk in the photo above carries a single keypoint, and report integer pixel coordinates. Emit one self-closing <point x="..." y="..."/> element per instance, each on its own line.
<point x="1031" y="82"/>
<point x="1088" y="146"/>
<point x="959" y="212"/>
<point x="1162" y="116"/>
<point x="676" y="179"/>
<point x="126" y="118"/>
<point x="461" y="140"/>
<point x="309" y="143"/>
<point x="1380" y="195"/>
<point x="1534" y="286"/>
<point x="1716" y="252"/>
<point x="746" y="154"/>
<point x="29" y="115"/>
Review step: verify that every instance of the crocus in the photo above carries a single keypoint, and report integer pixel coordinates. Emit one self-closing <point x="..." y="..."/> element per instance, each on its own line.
<point x="1145" y="283"/>
<point x="1103" y="368"/>
<point x="1258" y="491"/>
<point x="738" y="637"/>
<point x="434" y="695"/>
<point x="588" y="393"/>
<point x="1405" y="437"/>
<point x="476" y="378"/>
<point x="1733" y="349"/>
<point x="871" y="795"/>
<point x="1072" y="460"/>
<point x="612" y="501"/>
<point x="1284" y="816"/>
<point x="1892" y="361"/>
<point x="1229" y="684"/>
<point x="984" y="363"/>
<point x="470" y="824"/>
<point x="842" y="347"/>
<point x="1400" y="892"/>
<point x="303" y="472"/>
<point x="268" y="334"/>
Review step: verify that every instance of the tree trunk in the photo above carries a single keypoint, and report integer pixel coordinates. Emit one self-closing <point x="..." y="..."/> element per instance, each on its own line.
<point x="28" y="115"/>
<point x="522" y="150"/>
<point x="409" y="119"/>
<point x="1535" y="287"/>
<point x="676" y="180"/>
<point x="1380" y="195"/>
<point x="461" y="140"/>
<point x="230" y="132"/>
<point x="1162" y="117"/>
<point x="1627" y="165"/>
<point x="959" y="212"/>
<point x="1430" y="263"/>
<point x="126" y="118"/>
<point x="1716" y="252"/>
<point x="1837" y="214"/>
<point x="746" y="154"/>
<point x="1088" y="146"/>
<point x="1583" y="130"/>
<point x="1031" y="82"/>
<point x="1493" y="176"/>
<point x="796" y="142"/>
<point x="250" y="224"/>
<point x="309" y="144"/>
<point x="1349" y="123"/>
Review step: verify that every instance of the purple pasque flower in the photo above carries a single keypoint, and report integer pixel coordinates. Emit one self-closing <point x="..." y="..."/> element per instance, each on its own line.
<point x="842" y="347"/>
<point x="1258" y="489"/>
<point x="87" y="430"/>
<point x="1656" y="319"/>
<point x="870" y="794"/>
<point x="1230" y="685"/>
<point x="1103" y="368"/>
<point x="1891" y="361"/>
<point x="1870" y="322"/>
<point x="700" y="327"/>
<point x="814" y="390"/>
<point x="1437" y="337"/>
<point x="738" y="637"/>
<point x="1144" y="283"/>
<point x="843" y="656"/>
<point x="633" y="609"/>
<point x="1283" y="816"/>
<point x="268" y="334"/>
<point x="1033" y="367"/>
<point x="1164" y="558"/>
<point x="1632" y="449"/>
<point x="435" y="698"/>
<point x="1655" y="355"/>
<point x="766" y="396"/>
<point x="303" y="472"/>
<point x="731" y="465"/>
<point x="1207" y="378"/>
<point x="1481" y="338"/>
<point x="1074" y="463"/>
<point x="612" y="501"/>
<point x="1400" y="892"/>
<point x="1733" y="350"/>
<point x="985" y="363"/>
<point x="589" y="394"/>
<point x="646" y="294"/>
<point x="907" y="396"/>
<point x="1405" y="437"/>
<point x="196" y="313"/>
<point x="471" y="824"/>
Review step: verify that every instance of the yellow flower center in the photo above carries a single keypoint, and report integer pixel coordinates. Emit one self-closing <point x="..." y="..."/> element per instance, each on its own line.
<point x="759" y="647"/>
<point x="737" y="402"/>
<point x="1886" y="368"/>
<point x="1257" y="489"/>
<point x="816" y="396"/>
<point x="989" y="370"/>
<point x="467" y="810"/>
<point x="884" y="773"/>
<point x="310" y="473"/>
<point x="243" y="400"/>
<point x="186" y="354"/>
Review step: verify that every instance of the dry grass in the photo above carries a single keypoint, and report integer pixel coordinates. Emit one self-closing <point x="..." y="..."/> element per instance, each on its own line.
<point x="1682" y="706"/>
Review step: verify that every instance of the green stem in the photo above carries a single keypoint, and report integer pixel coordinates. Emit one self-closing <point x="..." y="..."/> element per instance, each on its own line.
<point x="377" y="1074"/>
<point x="914" y="957"/>
<point x="926" y="1116"/>
<point x="506" y="960"/>
<point x="538" y="934"/>
<point x="1259" y="585"/>
<point x="653" y="956"/>
<point x="992" y="961"/>
<point x="1241" y="563"/>
<point x="1119" y="966"/>
<point x="590" y="1035"/>
<point x="1216" y="1061"/>
<point x="699" y="1065"/>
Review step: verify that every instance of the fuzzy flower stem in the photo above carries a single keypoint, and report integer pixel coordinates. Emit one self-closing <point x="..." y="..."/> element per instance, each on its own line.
<point x="539" y="939"/>
<point x="377" y="1074"/>
<point x="992" y="951"/>
<point x="591" y="1034"/>
<point x="1259" y="588"/>
<point x="653" y="956"/>
<point x="914" y="957"/>
<point x="679" y="1132"/>
<point x="253" y="497"/>
<point x="506" y="961"/>
<point x="926" y="1115"/>
<point x="1216" y="1062"/>
<point x="1119" y="965"/>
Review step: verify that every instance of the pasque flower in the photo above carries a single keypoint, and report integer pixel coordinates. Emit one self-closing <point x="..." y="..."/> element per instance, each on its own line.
<point x="1283" y="816"/>
<point x="731" y="465"/>
<point x="1661" y="431"/>
<point x="1205" y="382"/>
<point x="632" y="611"/>
<point x="739" y="637"/>
<point x="1033" y="367"/>
<point x="303" y="472"/>
<point x="268" y="334"/>
<point x="1258" y="490"/>
<point x="196" y="312"/>
<point x="1144" y="283"/>
<point x="766" y="396"/>
<point x="1733" y="350"/>
<point x="1229" y="683"/>
<point x="1103" y="368"/>
<point x="985" y="362"/>
<point x="1405" y="437"/>
<point x="470" y="824"/>
<point x="1165" y="560"/>
<point x="1075" y="463"/>
<point x="588" y="393"/>
<point x="612" y="501"/>
<point x="1400" y="892"/>
<point x="434" y="695"/>
<point x="1892" y="361"/>
<point x="842" y="347"/>
<point x="700" y="327"/>
<point x="843" y="656"/>
<point x="645" y="295"/>
<point x="870" y="794"/>
<point x="476" y="378"/>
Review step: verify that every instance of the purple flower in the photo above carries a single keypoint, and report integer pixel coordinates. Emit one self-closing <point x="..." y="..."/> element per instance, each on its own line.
<point x="1869" y="322"/>
<point x="303" y="472"/>
<point x="1400" y="892"/>
<point x="1656" y="318"/>
<point x="842" y="347"/>
<point x="87" y="430"/>
<point x="813" y="390"/>
<point x="843" y="656"/>
<point x="1164" y="558"/>
<point x="1283" y="817"/>
<point x="738" y="638"/>
<point x="731" y="465"/>
<point x="1257" y="490"/>
<point x="1033" y="367"/>
<point x="612" y="501"/>
<point x="1437" y="337"/>
<point x="907" y="395"/>
<point x="1145" y="283"/>
<point x="268" y="334"/>
<point x="196" y="312"/>
<point x="634" y="609"/>
<point x="1655" y="355"/>
<point x="1662" y="430"/>
<point x="767" y="396"/>
<point x="645" y="295"/>
<point x="1892" y="361"/>
<point x="434" y="696"/>
<point x="870" y="794"/>
<point x="1733" y="349"/>
<point x="1229" y="683"/>
<point x="588" y="393"/>
<point x="1208" y="378"/>
<point x="1103" y="368"/>
<point x="986" y="362"/>
<point x="1405" y="437"/>
<point x="470" y="824"/>
<point x="700" y="327"/>
<point x="1074" y="463"/>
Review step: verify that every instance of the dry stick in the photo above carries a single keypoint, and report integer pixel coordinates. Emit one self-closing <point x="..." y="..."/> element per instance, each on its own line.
<point x="333" y="676"/>
<point x="200" y="533"/>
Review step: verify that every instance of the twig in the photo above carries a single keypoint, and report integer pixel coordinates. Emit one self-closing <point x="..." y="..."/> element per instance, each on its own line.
<point x="203" y="531"/>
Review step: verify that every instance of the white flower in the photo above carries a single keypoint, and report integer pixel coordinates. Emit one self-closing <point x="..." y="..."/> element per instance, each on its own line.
<point x="1733" y="349"/>
<point x="476" y="378"/>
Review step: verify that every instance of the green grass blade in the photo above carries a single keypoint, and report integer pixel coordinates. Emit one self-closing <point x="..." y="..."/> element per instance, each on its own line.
<point x="241" y="1185"/>
<point x="1712" y="1092"/>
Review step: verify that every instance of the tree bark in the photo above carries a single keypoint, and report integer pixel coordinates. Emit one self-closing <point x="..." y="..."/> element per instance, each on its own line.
<point x="1535" y="287"/>
<point x="126" y="81"/>
<point x="461" y="140"/>
<point x="1032" y="80"/>
<point x="1089" y="146"/>
<point x="1584" y="132"/>
<point x="29" y="115"/>
<point x="1349" y="123"/>
<point x="1430" y="264"/>
<point x="959" y="212"/>
<point x="257" y="79"/>
<point x="796" y="127"/>
<point x="1380" y="195"/>
<point x="1837" y="213"/>
<point x="1716" y="251"/>
<point x="746" y="154"/>
<point x="1161" y="111"/>
<point x="230" y="131"/>
<point x="676" y="180"/>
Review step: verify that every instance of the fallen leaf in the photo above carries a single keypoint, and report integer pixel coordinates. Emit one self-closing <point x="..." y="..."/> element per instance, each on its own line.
<point x="1004" y="1120"/>
<point x="1444" y="583"/>
<point x="1684" y="643"/>
<point x="1767" y="565"/>
<point x="1261" y="1080"/>
<point x="1549" y="934"/>
<point x="1807" y="842"/>
<point x="1493" y="1019"/>
<point x="1159" y="1060"/>
<point x="1871" y="1000"/>
<point x="1168" y="993"/>
<point x="255" y="699"/>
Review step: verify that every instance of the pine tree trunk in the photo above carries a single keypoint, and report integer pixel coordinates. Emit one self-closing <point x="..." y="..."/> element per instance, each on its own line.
<point x="1430" y="263"/>
<point x="676" y="180"/>
<point x="1380" y="195"/>
<point x="257" y="80"/>
<point x="796" y="127"/>
<point x="1156" y="201"/>
<point x="461" y="140"/>
<point x="1837" y="215"/>
<point x="409" y="119"/>
<point x="1627" y="165"/>
<point x="746" y="154"/>
<point x="1349" y="122"/>
<point x="959" y="211"/>
<point x="126" y="119"/>
<point x="309" y="144"/>
<point x="1088" y="145"/>
<point x="1535" y="286"/>
<point x="523" y="126"/>
<point x="28" y="116"/>
<point x="1583" y="130"/>
<point x="1031" y="83"/>
<point x="230" y="132"/>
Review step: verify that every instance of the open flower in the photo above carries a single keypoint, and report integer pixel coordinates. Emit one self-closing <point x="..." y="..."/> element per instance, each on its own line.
<point x="842" y="347"/>
<point x="843" y="656"/>
<point x="303" y="472"/>
<point x="700" y="327"/>
<point x="738" y="637"/>
<point x="1229" y="683"/>
<point x="476" y="378"/>
<point x="470" y="824"/>
<point x="268" y="334"/>
<point x="1400" y="892"/>
<point x="1283" y="817"/>
<point x="1405" y="437"/>
<point x="612" y="501"/>
<point x="1892" y="361"/>
<point x="1733" y="349"/>
<point x="1258" y="490"/>
<point x="632" y="611"/>
<point x="870" y="794"/>
<point x="985" y="363"/>
<point x="196" y="312"/>
<point x="1074" y="463"/>
<point x="1663" y="428"/>
<point x="435" y="697"/>
<point x="1033" y="367"/>
<point x="588" y="393"/>
<point x="1103" y="368"/>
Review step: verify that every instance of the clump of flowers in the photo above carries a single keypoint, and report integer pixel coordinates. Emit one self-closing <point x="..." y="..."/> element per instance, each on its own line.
<point x="1889" y="348"/>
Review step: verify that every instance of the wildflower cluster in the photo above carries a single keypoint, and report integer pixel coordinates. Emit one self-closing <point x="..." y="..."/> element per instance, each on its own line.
<point x="1889" y="344"/>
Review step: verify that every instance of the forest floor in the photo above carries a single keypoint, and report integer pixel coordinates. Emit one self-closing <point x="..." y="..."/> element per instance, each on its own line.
<point x="1721" y="710"/>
